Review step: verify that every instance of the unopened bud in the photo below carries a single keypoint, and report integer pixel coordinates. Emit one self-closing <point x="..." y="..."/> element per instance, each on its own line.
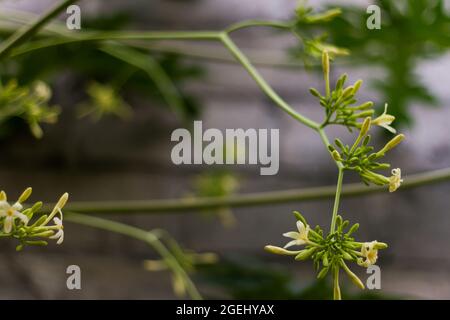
<point x="353" y="229"/>
<point x="36" y="207"/>
<point x="365" y="105"/>
<point x="323" y="273"/>
<point x="300" y="217"/>
<point x="325" y="63"/>
<point x="380" y="245"/>
<point x="352" y="276"/>
<point x="25" y="195"/>
<point x="356" y="86"/>
<point x="315" y="93"/>
<point x="336" y="156"/>
<point x="365" y="127"/>
<point x="324" y="16"/>
<point x="392" y="143"/>
<point x="305" y="254"/>
<point x="348" y="92"/>
<point x="60" y="204"/>
<point x="278" y="250"/>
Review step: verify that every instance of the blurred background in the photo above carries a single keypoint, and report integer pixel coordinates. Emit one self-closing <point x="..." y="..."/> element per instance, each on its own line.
<point x="118" y="147"/>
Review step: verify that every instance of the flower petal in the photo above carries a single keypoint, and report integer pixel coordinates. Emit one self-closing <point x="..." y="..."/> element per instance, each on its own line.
<point x="57" y="221"/>
<point x="292" y="235"/>
<point x="388" y="128"/>
<point x="300" y="226"/>
<point x="294" y="243"/>
<point x="17" y="206"/>
<point x="7" y="224"/>
<point x="59" y="235"/>
<point x="56" y="235"/>
<point x="21" y="216"/>
<point x="4" y="205"/>
<point x="290" y="244"/>
<point x="61" y="238"/>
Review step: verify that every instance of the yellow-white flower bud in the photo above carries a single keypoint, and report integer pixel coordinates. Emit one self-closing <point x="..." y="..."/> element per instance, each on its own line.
<point x="25" y="195"/>
<point x="278" y="250"/>
<point x="365" y="127"/>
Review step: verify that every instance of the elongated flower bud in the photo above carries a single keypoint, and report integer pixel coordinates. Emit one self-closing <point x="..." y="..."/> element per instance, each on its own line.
<point x="305" y="254"/>
<point x="315" y="93"/>
<point x="323" y="16"/>
<point x="60" y="204"/>
<point x="365" y="127"/>
<point x="336" y="155"/>
<point x="341" y="81"/>
<point x="25" y="195"/>
<point x="62" y="201"/>
<point x="326" y="63"/>
<point x="300" y="217"/>
<point x="353" y="229"/>
<point x="278" y="250"/>
<point x="380" y="245"/>
<point x="339" y="143"/>
<point x="352" y="276"/>
<point x="36" y="207"/>
<point x="323" y="273"/>
<point x="356" y="86"/>
<point x="392" y="143"/>
<point x="363" y="114"/>
<point x="363" y="106"/>
<point x="348" y="92"/>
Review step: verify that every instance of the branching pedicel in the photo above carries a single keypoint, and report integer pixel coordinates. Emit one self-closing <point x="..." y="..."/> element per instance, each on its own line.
<point x="331" y="252"/>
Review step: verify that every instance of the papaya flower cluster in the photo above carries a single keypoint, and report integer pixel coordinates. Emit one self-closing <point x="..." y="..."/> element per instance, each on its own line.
<point x="312" y="44"/>
<point x="103" y="101"/>
<point x="360" y="158"/>
<point x="17" y="222"/>
<point x="341" y="104"/>
<point x="31" y="103"/>
<point x="330" y="253"/>
<point x="342" y="108"/>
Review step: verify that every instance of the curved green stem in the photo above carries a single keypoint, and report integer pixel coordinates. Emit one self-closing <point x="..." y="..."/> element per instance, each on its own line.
<point x="139" y="234"/>
<point x="262" y="83"/>
<point x="258" y="23"/>
<point x="191" y="35"/>
<point x="119" y="35"/>
<point x="336" y="288"/>
<point x="28" y="31"/>
<point x="154" y="71"/>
